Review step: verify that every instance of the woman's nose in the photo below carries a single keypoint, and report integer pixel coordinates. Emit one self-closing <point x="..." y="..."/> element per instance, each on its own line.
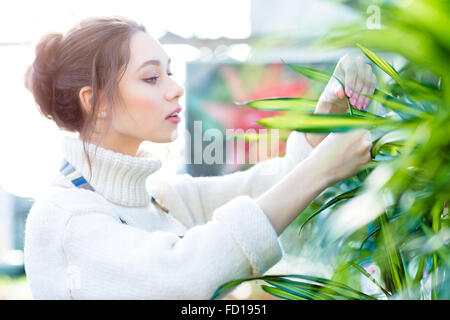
<point x="175" y="91"/>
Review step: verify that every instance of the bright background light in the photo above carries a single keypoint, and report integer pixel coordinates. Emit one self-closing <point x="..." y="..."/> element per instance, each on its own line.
<point x="31" y="144"/>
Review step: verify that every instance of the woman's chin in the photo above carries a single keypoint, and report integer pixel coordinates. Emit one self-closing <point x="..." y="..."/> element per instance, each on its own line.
<point x="174" y="135"/>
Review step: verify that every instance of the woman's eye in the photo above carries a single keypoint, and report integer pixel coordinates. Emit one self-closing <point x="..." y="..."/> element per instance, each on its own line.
<point x="151" y="80"/>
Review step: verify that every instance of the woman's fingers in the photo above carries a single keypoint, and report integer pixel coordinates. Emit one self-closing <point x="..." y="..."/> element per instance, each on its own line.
<point x="358" y="88"/>
<point x="365" y="84"/>
<point x="358" y="80"/>
<point x="339" y="91"/>
<point x="350" y="71"/>
<point x="362" y="100"/>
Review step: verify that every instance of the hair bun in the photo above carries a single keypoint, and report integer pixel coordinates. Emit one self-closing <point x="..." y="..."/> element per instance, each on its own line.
<point x="40" y="76"/>
<point x="46" y="53"/>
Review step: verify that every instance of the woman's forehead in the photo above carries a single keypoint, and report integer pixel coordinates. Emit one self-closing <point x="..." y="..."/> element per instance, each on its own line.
<point x="144" y="49"/>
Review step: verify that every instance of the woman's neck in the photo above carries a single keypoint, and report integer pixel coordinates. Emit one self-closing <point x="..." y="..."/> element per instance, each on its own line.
<point x="119" y="177"/>
<point x="118" y="143"/>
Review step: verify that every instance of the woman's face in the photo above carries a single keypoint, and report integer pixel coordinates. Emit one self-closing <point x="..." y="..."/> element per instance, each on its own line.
<point x="148" y="94"/>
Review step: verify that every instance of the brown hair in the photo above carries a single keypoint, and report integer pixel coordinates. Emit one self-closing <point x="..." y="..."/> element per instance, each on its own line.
<point x="94" y="53"/>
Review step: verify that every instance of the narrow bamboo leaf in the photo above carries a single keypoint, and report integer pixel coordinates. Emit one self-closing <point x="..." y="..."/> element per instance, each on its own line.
<point x="381" y="63"/>
<point x="370" y="165"/>
<point x="346" y="195"/>
<point x="281" y="293"/>
<point x="311" y="290"/>
<point x="301" y="292"/>
<point x="368" y="275"/>
<point x="392" y="149"/>
<point x="414" y="87"/>
<point x="375" y="231"/>
<point x="365" y="114"/>
<point x="310" y="73"/>
<point x="383" y="157"/>
<point x="322" y="281"/>
<point x="371" y="234"/>
<point x="322" y="123"/>
<point x="389" y="138"/>
<point x="419" y="273"/>
<point x="284" y="278"/>
<point x="419" y="90"/>
<point x="228" y="285"/>
<point x="397" y="106"/>
<point x="287" y="104"/>
<point x="393" y="256"/>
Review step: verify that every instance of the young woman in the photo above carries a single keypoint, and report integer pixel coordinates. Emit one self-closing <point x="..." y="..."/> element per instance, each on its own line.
<point x="100" y="233"/>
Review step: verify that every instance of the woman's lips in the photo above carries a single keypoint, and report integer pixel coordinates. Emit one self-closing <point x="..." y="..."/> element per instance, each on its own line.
<point x="178" y="110"/>
<point x="175" y="119"/>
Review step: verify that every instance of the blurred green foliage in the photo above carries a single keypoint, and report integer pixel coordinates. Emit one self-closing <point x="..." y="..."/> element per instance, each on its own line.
<point x="389" y="224"/>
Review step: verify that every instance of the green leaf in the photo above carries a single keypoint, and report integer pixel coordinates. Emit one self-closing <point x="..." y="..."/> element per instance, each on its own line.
<point x="323" y="123"/>
<point x="287" y="104"/>
<point x="397" y="106"/>
<point x="301" y="289"/>
<point x="346" y="195"/>
<point x="228" y="285"/>
<point x="393" y="138"/>
<point x="281" y="293"/>
<point x="381" y="63"/>
<point x="394" y="260"/>
<point x="368" y="275"/>
<point x="371" y="234"/>
<point x="310" y="73"/>
<point x="325" y="283"/>
<point x="365" y="114"/>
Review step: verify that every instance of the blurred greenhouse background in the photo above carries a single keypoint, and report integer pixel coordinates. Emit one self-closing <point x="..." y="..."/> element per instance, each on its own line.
<point x="222" y="52"/>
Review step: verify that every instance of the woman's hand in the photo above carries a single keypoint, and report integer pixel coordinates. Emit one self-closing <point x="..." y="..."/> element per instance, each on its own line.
<point x="342" y="155"/>
<point x="338" y="157"/>
<point x="357" y="76"/>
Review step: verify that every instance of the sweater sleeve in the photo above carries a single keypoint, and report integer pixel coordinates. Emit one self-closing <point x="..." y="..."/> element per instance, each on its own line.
<point x="202" y="195"/>
<point x="116" y="261"/>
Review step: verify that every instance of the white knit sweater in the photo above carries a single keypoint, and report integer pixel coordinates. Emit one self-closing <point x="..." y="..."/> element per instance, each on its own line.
<point x="116" y="244"/>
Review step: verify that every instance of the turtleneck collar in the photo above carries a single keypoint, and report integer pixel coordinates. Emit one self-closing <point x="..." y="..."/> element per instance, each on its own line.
<point x="119" y="178"/>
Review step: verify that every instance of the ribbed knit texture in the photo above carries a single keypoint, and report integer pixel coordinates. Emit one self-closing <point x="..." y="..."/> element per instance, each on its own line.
<point x="118" y="177"/>
<point x="114" y="244"/>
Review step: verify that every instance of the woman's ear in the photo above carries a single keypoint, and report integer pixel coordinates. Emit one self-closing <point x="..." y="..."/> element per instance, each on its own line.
<point x="85" y="96"/>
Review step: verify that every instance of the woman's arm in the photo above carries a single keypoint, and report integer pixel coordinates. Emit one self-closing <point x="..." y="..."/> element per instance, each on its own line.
<point x="338" y="157"/>
<point x="116" y="261"/>
<point x="205" y="194"/>
<point x="212" y="192"/>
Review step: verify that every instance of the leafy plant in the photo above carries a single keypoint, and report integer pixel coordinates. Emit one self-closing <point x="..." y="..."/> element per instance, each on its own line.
<point x="397" y="214"/>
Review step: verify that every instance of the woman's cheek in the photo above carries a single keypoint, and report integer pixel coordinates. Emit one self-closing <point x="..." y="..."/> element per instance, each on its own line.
<point x="142" y="100"/>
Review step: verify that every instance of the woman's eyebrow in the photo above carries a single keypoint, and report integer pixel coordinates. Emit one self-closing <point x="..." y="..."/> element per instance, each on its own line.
<point x="151" y="62"/>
